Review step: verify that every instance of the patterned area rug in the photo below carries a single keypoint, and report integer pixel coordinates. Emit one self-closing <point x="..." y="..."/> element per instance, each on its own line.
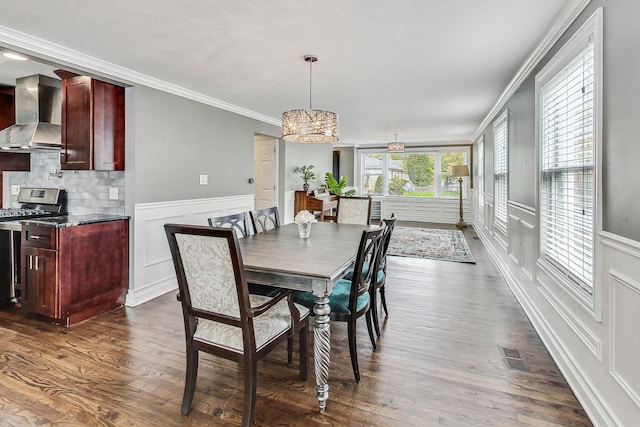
<point x="443" y="245"/>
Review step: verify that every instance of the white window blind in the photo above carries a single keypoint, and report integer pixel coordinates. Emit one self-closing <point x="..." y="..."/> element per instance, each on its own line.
<point x="567" y="169"/>
<point x="481" y="176"/>
<point x="500" y="172"/>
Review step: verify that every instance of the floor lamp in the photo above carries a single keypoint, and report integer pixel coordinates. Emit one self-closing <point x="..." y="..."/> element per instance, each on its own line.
<point x="460" y="171"/>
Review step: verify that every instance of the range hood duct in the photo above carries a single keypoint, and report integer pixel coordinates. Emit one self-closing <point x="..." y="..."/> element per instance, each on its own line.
<point x="38" y="102"/>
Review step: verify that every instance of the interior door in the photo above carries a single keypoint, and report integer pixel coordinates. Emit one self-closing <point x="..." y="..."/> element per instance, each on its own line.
<point x="265" y="174"/>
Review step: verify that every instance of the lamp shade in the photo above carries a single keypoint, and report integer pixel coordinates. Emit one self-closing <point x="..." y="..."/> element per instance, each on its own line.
<point x="310" y="126"/>
<point x="460" y="170"/>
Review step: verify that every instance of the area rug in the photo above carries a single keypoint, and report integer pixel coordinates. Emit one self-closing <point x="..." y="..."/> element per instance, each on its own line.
<point x="443" y="245"/>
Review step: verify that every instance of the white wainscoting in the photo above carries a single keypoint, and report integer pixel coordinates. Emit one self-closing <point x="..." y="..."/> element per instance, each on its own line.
<point x="426" y="209"/>
<point x="153" y="273"/>
<point x="596" y="345"/>
<point x="289" y="206"/>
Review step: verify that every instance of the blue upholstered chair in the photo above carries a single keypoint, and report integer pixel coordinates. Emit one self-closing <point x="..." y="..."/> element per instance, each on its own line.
<point x="351" y="299"/>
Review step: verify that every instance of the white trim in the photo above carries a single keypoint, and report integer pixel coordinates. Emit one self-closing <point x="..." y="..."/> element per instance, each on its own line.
<point x="593" y="26"/>
<point x="526" y="208"/>
<point x="153" y="273"/>
<point x="31" y="45"/>
<point x="578" y="327"/>
<point x="569" y="13"/>
<point x="620" y="243"/>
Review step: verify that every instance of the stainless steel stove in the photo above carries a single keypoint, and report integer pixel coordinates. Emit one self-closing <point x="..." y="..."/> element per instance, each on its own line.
<point x="35" y="203"/>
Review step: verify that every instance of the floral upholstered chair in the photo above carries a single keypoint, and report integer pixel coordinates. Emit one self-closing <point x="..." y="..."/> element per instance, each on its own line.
<point x="221" y="317"/>
<point x="354" y="210"/>
<point x="240" y="223"/>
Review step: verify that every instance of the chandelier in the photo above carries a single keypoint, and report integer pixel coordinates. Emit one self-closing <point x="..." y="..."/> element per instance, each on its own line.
<point x="310" y="126"/>
<point x="395" y="147"/>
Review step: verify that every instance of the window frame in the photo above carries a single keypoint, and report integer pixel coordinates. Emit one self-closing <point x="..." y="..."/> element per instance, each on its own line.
<point x="589" y="32"/>
<point x="435" y="150"/>
<point x="481" y="171"/>
<point x="500" y="223"/>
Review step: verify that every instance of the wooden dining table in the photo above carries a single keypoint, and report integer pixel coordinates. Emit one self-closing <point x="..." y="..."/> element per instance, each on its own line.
<point x="279" y="257"/>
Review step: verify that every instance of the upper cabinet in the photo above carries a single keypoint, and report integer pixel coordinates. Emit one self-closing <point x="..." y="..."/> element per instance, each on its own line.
<point x="7" y="109"/>
<point x="92" y="124"/>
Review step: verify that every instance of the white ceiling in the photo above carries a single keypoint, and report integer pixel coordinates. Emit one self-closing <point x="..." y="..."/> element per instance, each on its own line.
<point x="428" y="70"/>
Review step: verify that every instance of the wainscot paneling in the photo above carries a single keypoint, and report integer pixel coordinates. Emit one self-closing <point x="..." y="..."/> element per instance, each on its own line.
<point x="594" y="339"/>
<point x="289" y="207"/>
<point x="426" y="209"/>
<point x="153" y="273"/>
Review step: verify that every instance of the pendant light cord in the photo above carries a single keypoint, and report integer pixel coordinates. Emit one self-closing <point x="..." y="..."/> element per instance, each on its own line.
<point x="310" y="78"/>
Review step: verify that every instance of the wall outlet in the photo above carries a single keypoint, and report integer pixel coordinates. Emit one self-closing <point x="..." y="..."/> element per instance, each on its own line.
<point x="113" y="193"/>
<point x="204" y="179"/>
<point x="15" y="189"/>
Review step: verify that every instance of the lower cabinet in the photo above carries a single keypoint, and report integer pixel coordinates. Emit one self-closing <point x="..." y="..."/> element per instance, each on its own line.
<point x="70" y="274"/>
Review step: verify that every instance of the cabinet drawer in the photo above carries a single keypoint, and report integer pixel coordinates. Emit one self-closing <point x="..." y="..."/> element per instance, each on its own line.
<point x="39" y="237"/>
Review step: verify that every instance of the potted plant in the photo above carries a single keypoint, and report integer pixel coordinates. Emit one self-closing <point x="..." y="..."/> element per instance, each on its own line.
<point x="337" y="187"/>
<point x="306" y="174"/>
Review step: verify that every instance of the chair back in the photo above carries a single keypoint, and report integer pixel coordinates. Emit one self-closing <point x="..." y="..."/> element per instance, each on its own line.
<point x="211" y="280"/>
<point x="239" y="222"/>
<point x="354" y="210"/>
<point x="364" y="278"/>
<point x="265" y="219"/>
<point x="389" y="224"/>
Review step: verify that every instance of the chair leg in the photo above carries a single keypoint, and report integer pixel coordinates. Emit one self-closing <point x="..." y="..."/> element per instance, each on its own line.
<point x="374" y="312"/>
<point x="384" y="300"/>
<point x="190" y="379"/>
<point x="303" y="336"/>
<point x="353" y="352"/>
<point x="290" y="351"/>
<point x="250" y="385"/>
<point x="368" y="316"/>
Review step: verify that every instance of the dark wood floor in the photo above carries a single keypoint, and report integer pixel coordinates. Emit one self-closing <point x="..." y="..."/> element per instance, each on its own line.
<point x="437" y="363"/>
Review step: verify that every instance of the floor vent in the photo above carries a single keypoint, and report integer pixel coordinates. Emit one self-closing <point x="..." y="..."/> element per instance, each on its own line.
<point x="513" y="359"/>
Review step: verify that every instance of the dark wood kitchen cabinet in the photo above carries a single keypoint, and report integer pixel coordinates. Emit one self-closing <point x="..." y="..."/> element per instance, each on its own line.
<point x="70" y="274"/>
<point x="92" y="125"/>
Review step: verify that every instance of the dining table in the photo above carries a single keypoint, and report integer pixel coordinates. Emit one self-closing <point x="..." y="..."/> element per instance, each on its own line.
<point x="280" y="257"/>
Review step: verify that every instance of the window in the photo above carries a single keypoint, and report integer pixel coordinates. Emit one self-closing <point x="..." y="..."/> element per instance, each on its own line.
<point x="411" y="174"/>
<point x="500" y="172"/>
<point x="481" y="177"/>
<point x="566" y="93"/>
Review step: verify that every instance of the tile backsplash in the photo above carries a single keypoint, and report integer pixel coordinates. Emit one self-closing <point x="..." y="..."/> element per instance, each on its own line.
<point x="87" y="191"/>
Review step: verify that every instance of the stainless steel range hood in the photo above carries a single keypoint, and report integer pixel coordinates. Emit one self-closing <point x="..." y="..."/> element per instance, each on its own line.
<point x="38" y="102"/>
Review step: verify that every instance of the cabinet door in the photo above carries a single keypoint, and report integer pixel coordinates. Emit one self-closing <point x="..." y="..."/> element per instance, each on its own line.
<point x="40" y="292"/>
<point x="108" y="126"/>
<point x="77" y="127"/>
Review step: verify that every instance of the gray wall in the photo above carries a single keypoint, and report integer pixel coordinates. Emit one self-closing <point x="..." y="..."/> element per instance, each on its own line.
<point x="621" y="106"/>
<point x="172" y="140"/>
<point x="296" y="155"/>
<point x="347" y="163"/>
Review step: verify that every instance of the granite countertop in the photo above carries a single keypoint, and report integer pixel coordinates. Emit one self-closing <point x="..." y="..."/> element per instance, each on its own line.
<point x="72" y="220"/>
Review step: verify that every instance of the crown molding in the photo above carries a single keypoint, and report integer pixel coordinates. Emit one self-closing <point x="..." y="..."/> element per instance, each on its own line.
<point x="61" y="55"/>
<point x="569" y="13"/>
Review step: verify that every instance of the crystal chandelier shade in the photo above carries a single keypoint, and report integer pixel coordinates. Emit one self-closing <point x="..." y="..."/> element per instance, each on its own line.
<point x="310" y="126"/>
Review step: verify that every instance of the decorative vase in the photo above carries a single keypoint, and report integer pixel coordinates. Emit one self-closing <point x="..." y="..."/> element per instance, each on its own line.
<point x="305" y="186"/>
<point x="304" y="230"/>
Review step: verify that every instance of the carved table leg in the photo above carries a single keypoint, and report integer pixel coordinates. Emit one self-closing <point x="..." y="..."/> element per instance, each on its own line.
<point x="322" y="349"/>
